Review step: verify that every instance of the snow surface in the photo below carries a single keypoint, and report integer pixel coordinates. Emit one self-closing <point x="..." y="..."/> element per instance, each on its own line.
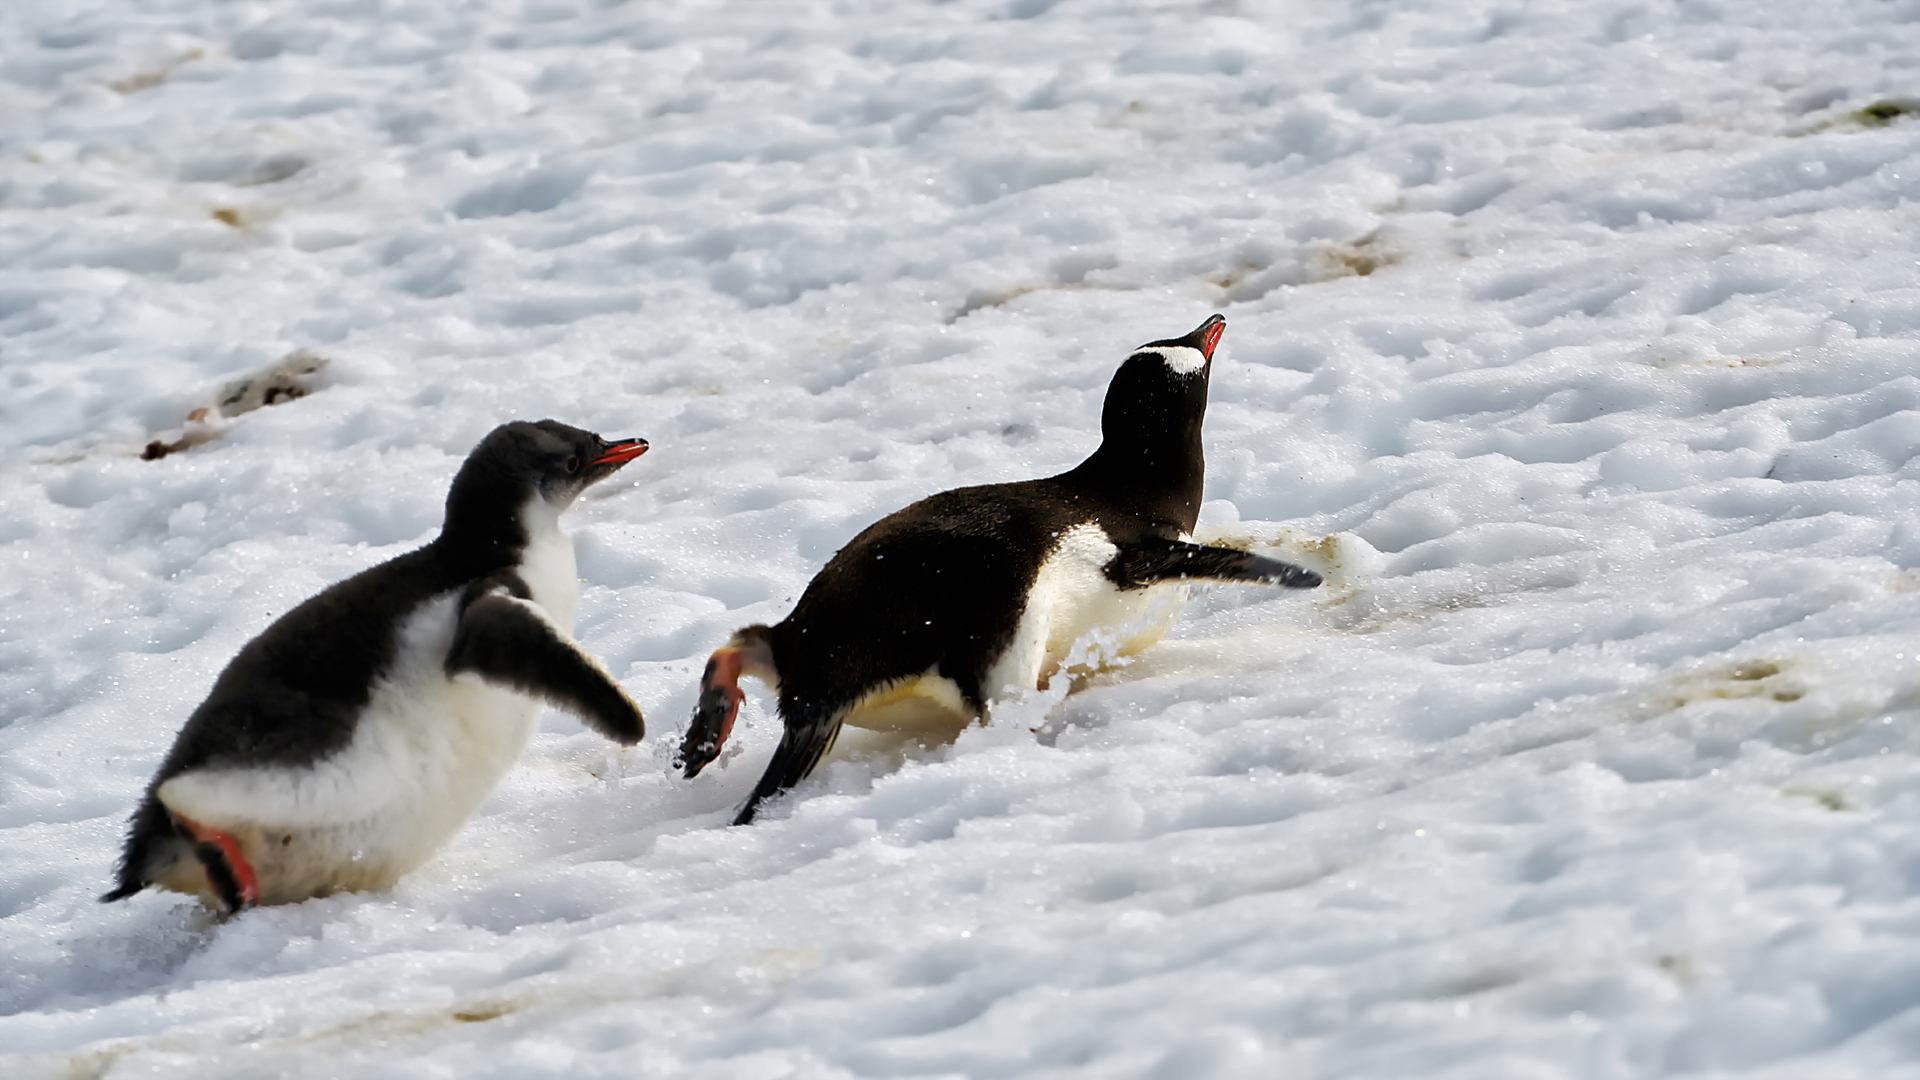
<point x="1576" y="340"/>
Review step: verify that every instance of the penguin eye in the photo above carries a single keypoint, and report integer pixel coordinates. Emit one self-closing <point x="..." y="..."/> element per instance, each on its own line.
<point x="573" y="464"/>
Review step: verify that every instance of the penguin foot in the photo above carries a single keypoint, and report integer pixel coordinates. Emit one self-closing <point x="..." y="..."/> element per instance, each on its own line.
<point x="806" y="740"/>
<point x="229" y="874"/>
<point x="749" y="653"/>
<point x="713" y="716"/>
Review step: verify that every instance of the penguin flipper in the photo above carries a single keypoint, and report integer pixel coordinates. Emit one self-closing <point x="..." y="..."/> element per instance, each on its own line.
<point x="804" y="742"/>
<point x="1152" y="560"/>
<point x="510" y="642"/>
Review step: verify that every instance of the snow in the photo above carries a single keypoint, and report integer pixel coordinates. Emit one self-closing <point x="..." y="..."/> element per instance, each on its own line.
<point x="1574" y="340"/>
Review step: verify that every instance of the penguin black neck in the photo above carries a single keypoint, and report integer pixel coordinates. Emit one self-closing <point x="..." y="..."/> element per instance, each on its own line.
<point x="1150" y="459"/>
<point x="1161" y="483"/>
<point x="484" y="529"/>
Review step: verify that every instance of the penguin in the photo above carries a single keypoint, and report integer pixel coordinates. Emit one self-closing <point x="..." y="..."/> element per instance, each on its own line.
<point x="936" y="610"/>
<point x="344" y="745"/>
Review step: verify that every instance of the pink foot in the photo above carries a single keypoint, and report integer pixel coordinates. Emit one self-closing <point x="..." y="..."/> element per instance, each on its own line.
<point x="241" y="890"/>
<point x="720" y="696"/>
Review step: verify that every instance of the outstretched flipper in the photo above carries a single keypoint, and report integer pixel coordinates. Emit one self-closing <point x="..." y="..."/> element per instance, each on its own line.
<point x="509" y="641"/>
<point x="805" y="741"/>
<point x="749" y="653"/>
<point x="1153" y="560"/>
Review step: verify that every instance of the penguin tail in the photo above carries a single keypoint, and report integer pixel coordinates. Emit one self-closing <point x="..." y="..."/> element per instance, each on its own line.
<point x="1155" y="560"/>
<point x="750" y="652"/>
<point x="151" y="846"/>
<point x="808" y="737"/>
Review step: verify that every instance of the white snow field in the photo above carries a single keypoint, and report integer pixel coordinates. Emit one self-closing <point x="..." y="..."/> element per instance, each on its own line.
<point x="1578" y="341"/>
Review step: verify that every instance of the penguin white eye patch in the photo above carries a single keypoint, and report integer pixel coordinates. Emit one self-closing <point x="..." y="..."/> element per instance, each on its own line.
<point x="1181" y="359"/>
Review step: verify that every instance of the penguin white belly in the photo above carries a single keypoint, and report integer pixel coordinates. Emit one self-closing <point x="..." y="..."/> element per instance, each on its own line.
<point x="424" y="754"/>
<point x="1071" y="599"/>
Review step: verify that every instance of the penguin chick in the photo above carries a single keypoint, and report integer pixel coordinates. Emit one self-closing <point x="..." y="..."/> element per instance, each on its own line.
<point x="938" y="609"/>
<point x="344" y="745"/>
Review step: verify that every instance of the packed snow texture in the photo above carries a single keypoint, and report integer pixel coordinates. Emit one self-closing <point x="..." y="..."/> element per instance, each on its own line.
<point x="1575" y="341"/>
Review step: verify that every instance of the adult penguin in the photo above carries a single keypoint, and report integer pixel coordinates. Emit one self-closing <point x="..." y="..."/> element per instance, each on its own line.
<point x="344" y="745"/>
<point x="972" y="593"/>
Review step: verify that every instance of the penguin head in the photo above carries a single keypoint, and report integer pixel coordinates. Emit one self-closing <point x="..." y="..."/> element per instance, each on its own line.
<point x="556" y="460"/>
<point x="1159" y="396"/>
<point x="1185" y="357"/>
<point x="523" y="460"/>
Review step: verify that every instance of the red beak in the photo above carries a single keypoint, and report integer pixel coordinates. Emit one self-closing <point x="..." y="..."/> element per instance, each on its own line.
<point x="1210" y="333"/>
<point x="622" y="452"/>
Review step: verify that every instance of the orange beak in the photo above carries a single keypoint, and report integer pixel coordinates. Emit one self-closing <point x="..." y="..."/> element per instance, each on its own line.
<point x="1210" y="335"/>
<point x="622" y="452"/>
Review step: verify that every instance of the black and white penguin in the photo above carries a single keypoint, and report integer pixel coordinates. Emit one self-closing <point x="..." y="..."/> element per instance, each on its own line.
<point x="354" y="736"/>
<point x="960" y="598"/>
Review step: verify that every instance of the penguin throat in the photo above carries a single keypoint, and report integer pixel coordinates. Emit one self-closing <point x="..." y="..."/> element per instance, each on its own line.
<point x="547" y="563"/>
<point x="539" y="520"/>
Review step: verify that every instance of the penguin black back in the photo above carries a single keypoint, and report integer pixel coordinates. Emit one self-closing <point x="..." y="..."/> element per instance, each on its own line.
<point x="974" y="592"/>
